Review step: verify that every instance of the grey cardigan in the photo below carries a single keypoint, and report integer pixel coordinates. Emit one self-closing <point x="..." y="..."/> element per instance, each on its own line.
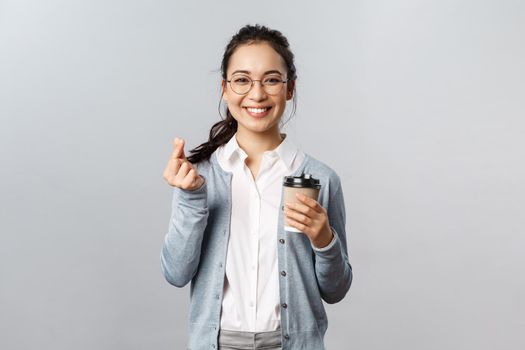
<point x="195" y="250"/>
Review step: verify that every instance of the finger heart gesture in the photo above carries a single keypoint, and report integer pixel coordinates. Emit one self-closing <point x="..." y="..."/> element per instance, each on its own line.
<point x="179" y="172"/>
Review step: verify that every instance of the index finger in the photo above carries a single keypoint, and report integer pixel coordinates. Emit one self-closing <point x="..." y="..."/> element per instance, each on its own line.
<point x="312" y="203"/>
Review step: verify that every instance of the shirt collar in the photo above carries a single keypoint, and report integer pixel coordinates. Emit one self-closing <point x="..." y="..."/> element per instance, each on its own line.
<point x="232" y="148"/>
<point x="286" y="151"/>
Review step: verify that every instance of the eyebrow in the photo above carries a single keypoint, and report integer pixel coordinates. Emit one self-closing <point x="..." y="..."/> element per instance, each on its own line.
<point x="267" y="72"/>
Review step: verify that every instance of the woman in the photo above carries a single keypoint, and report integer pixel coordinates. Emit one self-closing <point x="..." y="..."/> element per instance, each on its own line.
<point x="254" y="285"/>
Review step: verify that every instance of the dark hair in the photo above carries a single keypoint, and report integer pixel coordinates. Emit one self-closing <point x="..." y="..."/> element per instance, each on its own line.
<point x="222" y="131"/>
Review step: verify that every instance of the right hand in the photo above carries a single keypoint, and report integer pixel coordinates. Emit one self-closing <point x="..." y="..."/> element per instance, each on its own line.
<point x="179" y="171"/>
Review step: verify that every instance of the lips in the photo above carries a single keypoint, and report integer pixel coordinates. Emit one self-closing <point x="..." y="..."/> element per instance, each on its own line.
<point x="258" y="112"/>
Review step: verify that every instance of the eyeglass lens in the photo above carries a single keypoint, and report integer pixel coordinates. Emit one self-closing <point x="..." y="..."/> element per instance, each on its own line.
<point x="242" y="84"/>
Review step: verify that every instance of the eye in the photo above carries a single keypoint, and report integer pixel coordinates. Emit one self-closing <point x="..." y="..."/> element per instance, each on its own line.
<point x="241" y="80"/>
<point x="272" y="80"/>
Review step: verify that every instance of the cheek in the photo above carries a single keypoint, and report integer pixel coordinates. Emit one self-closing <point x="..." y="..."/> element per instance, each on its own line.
<point x="234" y="101"/>
<point x="281" y="101"/>
<point x="234" y="106"/>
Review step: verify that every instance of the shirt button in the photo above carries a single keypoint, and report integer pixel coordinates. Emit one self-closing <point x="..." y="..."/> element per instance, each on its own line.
<point x="283" y="273"/>
<point x="281" y="241"/>
<point x="284" y="305"/>
<point x="253" y="267"/>
<point x="251" y="303"/>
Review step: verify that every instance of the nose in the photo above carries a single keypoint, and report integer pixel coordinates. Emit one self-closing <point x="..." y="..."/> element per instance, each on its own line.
<point x="257" y="92"/>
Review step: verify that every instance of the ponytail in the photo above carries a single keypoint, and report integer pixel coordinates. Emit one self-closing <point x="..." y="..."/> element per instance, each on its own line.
<point x="220" y="133"/>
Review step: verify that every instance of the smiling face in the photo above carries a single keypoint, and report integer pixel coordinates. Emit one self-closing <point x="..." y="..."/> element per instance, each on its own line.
<point x="257" y="111"/>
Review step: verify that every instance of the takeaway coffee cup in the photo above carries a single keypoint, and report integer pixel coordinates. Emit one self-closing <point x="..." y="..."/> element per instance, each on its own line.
<point x="304" y="184"/>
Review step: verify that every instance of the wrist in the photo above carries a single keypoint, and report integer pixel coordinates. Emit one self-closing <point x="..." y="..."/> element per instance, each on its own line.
<point x="198" y="185"/>
<point x="323" y="240"/>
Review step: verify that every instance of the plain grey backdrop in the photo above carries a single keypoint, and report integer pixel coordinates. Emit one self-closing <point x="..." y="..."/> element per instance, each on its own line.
<point x="418" y="106"/>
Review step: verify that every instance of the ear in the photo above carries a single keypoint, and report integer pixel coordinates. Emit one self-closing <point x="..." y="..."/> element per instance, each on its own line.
<point x="290" y="90"/>
<point x="223" y="90"/>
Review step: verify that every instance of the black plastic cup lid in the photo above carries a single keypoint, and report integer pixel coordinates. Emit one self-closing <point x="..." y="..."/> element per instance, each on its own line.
<point x="305" y="180"/>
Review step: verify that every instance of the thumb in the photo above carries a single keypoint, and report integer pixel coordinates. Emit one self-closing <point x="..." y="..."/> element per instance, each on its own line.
<point x="181" y="148"/>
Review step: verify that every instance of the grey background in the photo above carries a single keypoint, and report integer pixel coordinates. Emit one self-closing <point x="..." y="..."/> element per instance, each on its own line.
<point x="418" y="105"/>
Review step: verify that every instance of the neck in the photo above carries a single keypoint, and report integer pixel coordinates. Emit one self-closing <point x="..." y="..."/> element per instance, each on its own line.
<point x="256" y="143"/>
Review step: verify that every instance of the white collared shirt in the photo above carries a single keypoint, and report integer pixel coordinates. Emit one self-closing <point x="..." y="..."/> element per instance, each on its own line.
<point x="251" y="288"/>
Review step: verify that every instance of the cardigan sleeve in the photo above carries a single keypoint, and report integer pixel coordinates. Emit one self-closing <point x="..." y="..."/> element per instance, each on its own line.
<point x="332" y="267"/>
<point x="181" y="251"/>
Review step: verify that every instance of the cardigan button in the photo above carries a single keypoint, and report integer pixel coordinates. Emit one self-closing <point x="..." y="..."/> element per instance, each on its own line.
<point x="283" y="273"/>
<point x="281" y="241"/>
<point x="284" y="305"/>
<point x="286" y="336"/>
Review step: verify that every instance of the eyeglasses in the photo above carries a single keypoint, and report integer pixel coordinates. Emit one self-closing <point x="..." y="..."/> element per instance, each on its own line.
<point x="242" y="84"/>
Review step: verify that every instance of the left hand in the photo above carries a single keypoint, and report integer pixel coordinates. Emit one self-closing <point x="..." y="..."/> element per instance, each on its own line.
<point x="310" y="218"/>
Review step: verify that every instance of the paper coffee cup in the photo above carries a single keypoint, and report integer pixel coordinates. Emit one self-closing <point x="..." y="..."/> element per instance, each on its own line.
<point x="304" y="184"/>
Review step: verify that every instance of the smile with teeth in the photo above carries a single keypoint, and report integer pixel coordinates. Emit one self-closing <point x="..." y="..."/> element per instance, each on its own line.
<point x="258" y="113"/>
<point x="257" y="110"/>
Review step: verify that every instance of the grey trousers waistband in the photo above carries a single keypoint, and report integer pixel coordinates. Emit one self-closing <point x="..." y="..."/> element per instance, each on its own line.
<point x="233" y="340"/>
